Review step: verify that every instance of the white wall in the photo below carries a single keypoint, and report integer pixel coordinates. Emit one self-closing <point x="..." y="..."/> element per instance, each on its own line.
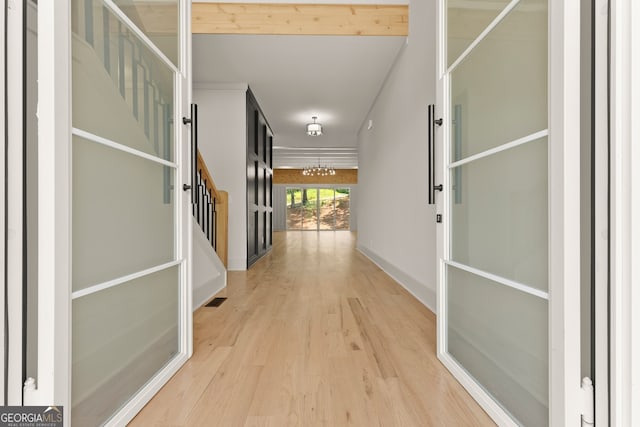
<point x="222" y="140"/>
<point x="279" y="207"/>
<point x="396" y="227"/>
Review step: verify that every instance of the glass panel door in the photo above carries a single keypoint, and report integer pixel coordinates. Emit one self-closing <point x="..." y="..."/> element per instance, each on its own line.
<point x="496" y="287"/>
<point x="318" y="209"/>
<point x="159" y="20"/>
<point x="294" y="209"/>
<point x="343" y="210"/>
<point x="310" y="208"/>
<point x="327" y="209"/>
<point x="128" y="253"/>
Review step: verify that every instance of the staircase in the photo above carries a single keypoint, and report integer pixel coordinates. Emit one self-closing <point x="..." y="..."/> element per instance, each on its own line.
<point x="210" y="214"/>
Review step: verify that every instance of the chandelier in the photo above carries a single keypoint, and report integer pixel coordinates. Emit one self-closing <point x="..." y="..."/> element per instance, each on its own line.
<point x="314" y="129"/>
<point x="318" y="170"/>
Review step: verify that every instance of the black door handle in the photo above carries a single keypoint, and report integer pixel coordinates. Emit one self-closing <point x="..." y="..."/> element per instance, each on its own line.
<point x="193" y="121"/>
<point x="432" y="188"/>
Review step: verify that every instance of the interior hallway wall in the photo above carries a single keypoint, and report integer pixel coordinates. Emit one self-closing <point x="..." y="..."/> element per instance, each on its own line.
<point x="223" y="144"/>
<point x="279" y="207"/>
<point x="396" y="226"/>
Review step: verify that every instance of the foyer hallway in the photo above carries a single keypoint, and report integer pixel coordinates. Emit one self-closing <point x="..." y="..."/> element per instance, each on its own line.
<point x="314" y="334"/>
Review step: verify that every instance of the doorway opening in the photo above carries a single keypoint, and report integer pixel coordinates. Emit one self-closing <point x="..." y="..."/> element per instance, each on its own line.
<point x="318" y="209"/>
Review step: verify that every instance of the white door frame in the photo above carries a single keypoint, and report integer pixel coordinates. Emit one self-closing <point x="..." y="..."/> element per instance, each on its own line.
<point x="625" y="213"/>
<point x="564" y="214"/>
<point x="3" y="117"/>
<point x="601" y="210"/>
<point x="14" y="171"/>
<point x="186" y="61"/>
<point x="53" y="385"/>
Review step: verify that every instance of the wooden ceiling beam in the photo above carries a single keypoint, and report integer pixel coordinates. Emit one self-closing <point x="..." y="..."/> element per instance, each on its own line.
<point x="295" y="176"/>
<point x="300" y="19"/>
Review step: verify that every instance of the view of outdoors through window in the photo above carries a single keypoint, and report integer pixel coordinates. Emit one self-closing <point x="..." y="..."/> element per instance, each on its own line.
<point x="317" y="209"/>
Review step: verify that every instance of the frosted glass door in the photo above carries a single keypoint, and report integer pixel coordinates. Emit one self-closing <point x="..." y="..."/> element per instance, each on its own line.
<point x="496" y="266"/>
<point x="128" y="261"/>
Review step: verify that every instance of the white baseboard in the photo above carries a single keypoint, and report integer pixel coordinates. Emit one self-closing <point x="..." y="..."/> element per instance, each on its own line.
<point x="419" y="290"/>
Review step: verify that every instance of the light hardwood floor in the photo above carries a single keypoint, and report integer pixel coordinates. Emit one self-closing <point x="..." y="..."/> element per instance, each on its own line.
<point x="314" y="334"/>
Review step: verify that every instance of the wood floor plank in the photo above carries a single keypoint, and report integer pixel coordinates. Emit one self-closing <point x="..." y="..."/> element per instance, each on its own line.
<point x="173" y="404"/>
<point x="371" y="338"/>
<point x="313" y="335"/>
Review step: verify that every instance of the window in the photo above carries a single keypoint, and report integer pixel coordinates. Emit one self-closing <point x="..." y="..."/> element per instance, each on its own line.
<point x="318" y="208"/>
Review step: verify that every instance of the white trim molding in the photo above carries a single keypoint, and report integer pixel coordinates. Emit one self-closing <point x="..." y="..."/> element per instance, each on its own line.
<point x="14" y="198"/>
<point x="122" y="280"/>
<point x="634" y="112"/>
<point x="500" y="148"/>
<point x="501" y="280"/>
<point x="625" y="208"/>
<point x="121" y="147"/>
<point x="184" y="97"/>
<point x="601" y="212"/>
<point x="3" y="348"/>
<point x="53" y="385"/>
<point x="564" y="212"/>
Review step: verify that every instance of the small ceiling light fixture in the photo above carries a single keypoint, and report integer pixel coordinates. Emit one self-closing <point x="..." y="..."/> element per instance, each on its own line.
<point x="314" y="129"/>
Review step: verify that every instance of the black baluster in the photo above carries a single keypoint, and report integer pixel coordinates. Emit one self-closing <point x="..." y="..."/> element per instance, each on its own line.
<point x="214" y="237"/>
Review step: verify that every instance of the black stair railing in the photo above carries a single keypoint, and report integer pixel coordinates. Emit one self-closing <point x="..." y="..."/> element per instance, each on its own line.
<point x="204" y="208"/>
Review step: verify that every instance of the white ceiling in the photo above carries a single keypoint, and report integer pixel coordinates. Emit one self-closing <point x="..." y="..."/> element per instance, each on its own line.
<point x="296" y="77"/>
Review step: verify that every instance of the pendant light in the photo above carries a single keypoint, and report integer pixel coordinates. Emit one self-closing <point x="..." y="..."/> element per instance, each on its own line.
<point x="314" y="129"/>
